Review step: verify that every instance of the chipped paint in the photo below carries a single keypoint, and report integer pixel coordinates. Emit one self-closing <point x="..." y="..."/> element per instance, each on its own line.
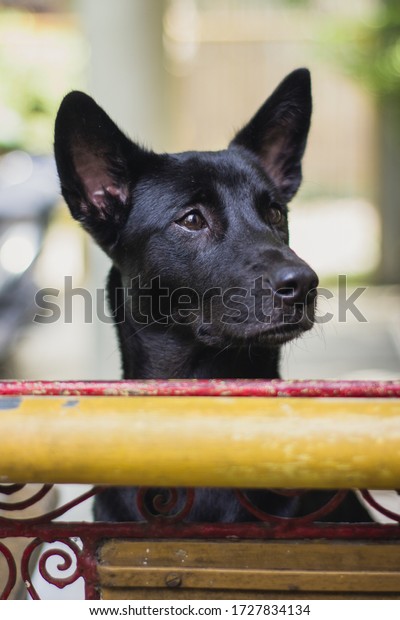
<point x="71" y="403"/>
<point x="12" y="402"/>
<point x="214" y="387"/>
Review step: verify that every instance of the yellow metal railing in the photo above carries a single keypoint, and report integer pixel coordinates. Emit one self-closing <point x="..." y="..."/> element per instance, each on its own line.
<point x="203" y="441"/>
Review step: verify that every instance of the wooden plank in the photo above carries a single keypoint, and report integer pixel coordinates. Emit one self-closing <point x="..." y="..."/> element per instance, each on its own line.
<point x="278" y="555"/>
<point x="165" y="594"/>
<point x="233" y="579"/>
<point x="223" y="566"/>
<point x="203" y="441"/>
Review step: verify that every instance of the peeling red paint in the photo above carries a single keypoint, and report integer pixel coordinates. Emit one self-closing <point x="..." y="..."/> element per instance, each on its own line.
<point x="203" y="387"/>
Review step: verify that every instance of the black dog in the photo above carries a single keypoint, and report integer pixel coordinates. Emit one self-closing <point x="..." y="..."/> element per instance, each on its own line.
<point x="203" y="283"/>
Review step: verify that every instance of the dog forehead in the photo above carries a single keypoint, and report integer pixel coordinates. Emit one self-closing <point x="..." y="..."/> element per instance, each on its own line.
<point x="228" y="168"/>
<point x="208" y="176"/>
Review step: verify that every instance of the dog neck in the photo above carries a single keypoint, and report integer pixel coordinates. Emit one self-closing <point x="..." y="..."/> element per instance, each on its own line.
<point x="154" y="353"/>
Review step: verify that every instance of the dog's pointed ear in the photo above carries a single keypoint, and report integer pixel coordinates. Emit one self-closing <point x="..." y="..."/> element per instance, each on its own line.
<point x="96" y="164"/>
<point x="277" y="134"/>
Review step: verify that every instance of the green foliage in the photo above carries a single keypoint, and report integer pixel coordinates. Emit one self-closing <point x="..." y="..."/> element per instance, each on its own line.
<point x="40" y="59"/>
<point x="370" y="50"/>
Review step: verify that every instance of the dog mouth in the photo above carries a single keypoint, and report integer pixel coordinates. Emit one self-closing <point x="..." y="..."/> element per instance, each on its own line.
<point x="220" y="325"/>
<point x="279" y="320"/>
<point x="281" y="333"/>
<point x="278" y="333"/>
<point x="267" y="335"/>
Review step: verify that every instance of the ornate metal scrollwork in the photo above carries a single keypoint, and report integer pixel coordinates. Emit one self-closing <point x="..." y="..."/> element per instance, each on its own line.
<point x="25" y="503"/>
<point x="164" y="514"/>
<point x="68" y="561"/>
<point x="28" y="517"/>
<point x="35" y="498"/>
<point x="168" y="503"/>
<point x="376" y="505"/>
<point x="303" y="511"/>
<point x="11" y="575"/>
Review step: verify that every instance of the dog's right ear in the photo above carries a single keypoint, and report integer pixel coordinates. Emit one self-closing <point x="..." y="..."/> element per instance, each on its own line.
<point x="97" y="165"/>
<point x="277" y="134"/>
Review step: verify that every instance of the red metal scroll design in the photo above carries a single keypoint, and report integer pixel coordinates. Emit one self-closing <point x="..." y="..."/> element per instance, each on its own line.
<point x="26" y="503"/>
<point x="68" y="560"/>
<point x="75" y="544"/>
<point x="22" y="527"/>
<point x="394" y="516"/>
<point x="164" y="504"/>
<point x="46" y="516"/>
<point x="11" y="572"/>
<point x="324" y="510"/>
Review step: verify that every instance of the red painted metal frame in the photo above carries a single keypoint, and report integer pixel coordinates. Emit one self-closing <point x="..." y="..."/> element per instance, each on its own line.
<point x="77" y="542"/>
<point x="212" y="387"/>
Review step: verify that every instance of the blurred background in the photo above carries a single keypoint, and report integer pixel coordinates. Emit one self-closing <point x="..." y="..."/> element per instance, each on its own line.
<point x="186" y="74"/>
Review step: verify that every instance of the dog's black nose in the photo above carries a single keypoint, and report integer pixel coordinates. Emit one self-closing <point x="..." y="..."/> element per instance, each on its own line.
<point x="296" y="284"/>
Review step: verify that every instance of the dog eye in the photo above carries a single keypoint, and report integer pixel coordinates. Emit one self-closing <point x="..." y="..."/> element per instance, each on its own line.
<point x="192" y="221"/>
<point x="274" y="215"/>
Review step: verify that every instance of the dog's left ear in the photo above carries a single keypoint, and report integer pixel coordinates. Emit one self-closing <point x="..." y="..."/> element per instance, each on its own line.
<point x="97" y="165"/>
<point x="277" y="134"/>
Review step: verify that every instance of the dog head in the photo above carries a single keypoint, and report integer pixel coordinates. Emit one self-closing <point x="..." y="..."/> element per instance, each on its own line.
<point x="200" y="238"/>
